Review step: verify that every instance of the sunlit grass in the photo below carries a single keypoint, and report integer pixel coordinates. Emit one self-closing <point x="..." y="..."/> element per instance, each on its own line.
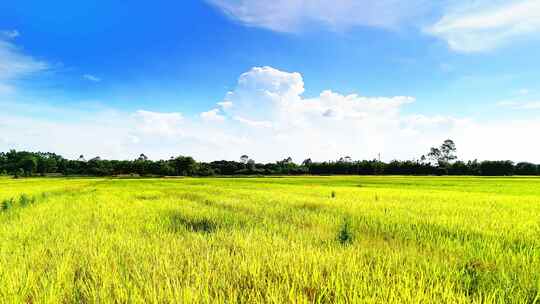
<point x="312" y="239"/>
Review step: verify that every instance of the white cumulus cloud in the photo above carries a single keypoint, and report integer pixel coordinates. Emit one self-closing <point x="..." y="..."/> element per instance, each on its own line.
<point x="271" y="120"/>
<point x="253" y="123"/>
<point x="212" y="115"/>
<point x="161" y="124"/>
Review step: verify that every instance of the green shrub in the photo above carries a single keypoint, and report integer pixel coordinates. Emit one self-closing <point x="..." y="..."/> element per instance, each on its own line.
<point x="25" y="200"/>
<point x="6" y="205"/>
<point x="345" y="235"/>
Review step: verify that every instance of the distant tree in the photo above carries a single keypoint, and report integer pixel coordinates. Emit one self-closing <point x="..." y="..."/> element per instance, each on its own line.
<point x="473" y="167"/>
<point x="448" y="151"/>
<point x="526" y="169"/>
<point x="459" y="168"/>
<point x="142" y="157"/>
<point x="307" y="162"/>
<point x="444" y="154"/>
<point x="184" y="165"/>
<point x="251" y="164"/>
<point x="141" y="165"/>
<point x="497" y="168"/>
<point x="346" y="159"/>
<point x="205" y="170"/>
<point x="285" y="166"/>
<point x="29" y="165"/>
<point x="164" y="168"/>
<point x="434" y="154"/>
<point x="24" y="163"/>
<point x="378" y="167"/>
<point x="47" y="165"/>
<point x="19" y="172"/>
<point x="98" y="167"/>
<point x="287" y="161"/>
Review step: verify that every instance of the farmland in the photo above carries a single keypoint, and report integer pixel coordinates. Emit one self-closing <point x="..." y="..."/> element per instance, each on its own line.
<point x="291" y="239"/>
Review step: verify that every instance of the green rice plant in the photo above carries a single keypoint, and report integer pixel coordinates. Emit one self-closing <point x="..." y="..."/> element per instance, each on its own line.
<point x="471" y="276"/>
<point x="345" y="235"/>
<point x="179" y="222"/>
<point x="25" y="200"/>
<point x="6" y="204"/>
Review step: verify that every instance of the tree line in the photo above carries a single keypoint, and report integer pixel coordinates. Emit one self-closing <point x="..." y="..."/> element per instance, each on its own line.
<point x="440" y="160"/>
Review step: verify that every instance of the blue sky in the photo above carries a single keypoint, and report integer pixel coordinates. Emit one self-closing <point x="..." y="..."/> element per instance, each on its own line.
<point x="149" y="76"/>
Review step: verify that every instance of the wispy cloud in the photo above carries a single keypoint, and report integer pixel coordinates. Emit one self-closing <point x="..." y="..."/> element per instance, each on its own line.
<point x="486" y="25"/>
<point x="520" y="105"/>
<point x="225" y="104"/>
<point x="295" y="15"/>
<point x="524" y="92"/>
<point x="6" y="89"/>
<point x="14" y="63"/>
<point x="91" y="78"/>
<point x="466" y="26"/>
<point x="9" y="34"/>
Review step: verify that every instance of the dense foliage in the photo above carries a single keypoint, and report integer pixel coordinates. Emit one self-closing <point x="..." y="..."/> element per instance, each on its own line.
<point x="29" y="163"/>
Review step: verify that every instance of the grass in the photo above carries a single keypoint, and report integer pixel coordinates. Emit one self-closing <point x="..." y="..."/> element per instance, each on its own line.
<point x="270" y="240"/>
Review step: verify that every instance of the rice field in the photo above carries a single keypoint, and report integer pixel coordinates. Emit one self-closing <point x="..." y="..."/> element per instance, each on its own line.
<point x="270" y="240"/>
